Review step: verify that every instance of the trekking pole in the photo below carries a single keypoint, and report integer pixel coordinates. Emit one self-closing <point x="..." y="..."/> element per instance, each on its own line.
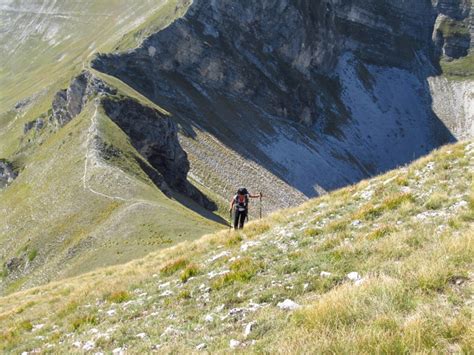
<point x="260" y="205"/>
<point x="230" y="220"/>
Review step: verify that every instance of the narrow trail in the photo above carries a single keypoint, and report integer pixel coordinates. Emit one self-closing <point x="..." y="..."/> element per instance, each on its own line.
<point x="91" y="160"/>
<point x="91" y="157"/>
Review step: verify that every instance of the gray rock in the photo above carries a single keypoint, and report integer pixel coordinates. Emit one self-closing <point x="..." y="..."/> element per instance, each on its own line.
<point x="7" y="173"/>
<point x="37" y="125"/>
<point x="67" y="104"/>
<point x="14" y="264"/>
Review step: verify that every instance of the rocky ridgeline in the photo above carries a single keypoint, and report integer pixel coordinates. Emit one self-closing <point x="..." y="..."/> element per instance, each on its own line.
<point x="70" y="102"/>
<point x="152" y="132"/>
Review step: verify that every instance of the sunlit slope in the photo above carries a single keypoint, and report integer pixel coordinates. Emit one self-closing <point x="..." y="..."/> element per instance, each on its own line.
<point x="45" y="41"/>
<point x="72" y="210"/>
<point x="406" y="238"/>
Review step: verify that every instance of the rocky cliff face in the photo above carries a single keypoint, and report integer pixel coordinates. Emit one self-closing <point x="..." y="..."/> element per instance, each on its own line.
<point x="454" y="28"/>
<point x="250" y="51"/>
<point x="320" y="93"/>
<point x="453" y="102"/>
<point x="69" y="103"/>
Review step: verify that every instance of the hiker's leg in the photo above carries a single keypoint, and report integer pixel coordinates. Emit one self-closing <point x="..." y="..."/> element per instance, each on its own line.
<point x="243" y="215"/>
<point x="236" y="219"/>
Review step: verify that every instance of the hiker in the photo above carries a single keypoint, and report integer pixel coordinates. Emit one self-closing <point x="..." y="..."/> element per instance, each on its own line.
<point x="240" y="206"/>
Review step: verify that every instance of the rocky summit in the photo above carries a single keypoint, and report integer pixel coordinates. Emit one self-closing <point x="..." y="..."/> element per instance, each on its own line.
<point x="126" y="128"/>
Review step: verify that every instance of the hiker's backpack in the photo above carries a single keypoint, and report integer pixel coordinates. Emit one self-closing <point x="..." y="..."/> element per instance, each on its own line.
<point x="241" y="202"/>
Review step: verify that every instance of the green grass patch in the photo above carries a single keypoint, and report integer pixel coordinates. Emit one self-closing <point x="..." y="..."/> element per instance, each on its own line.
<point x="173" y="266"/>
<point x="118" y="296"/>
<point x="459" y="69"/>
<point x="380" y="232"/>
<point x="313" y="232"/>
<point x="241" y="270"/>
<point x="436" y="201"/>
<point x="234" y="239"/>
<point x="191" y="270"/>
<point x="32" y="254"/>
<point x="393" y="202"/>
<point x="26" y="326"/>
<point x="84" y="320"/>
<point x="337" y="226"/>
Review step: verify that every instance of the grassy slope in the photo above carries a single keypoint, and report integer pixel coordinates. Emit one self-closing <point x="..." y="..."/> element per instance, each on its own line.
<point x="49" y="218"/>
<point x="409" y="234"/>
<point x="56" y="37"/>
<point x="55" y="215"/>
<point x="460" y="69"/>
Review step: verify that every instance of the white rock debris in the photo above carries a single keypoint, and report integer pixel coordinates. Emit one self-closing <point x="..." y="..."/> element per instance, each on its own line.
<point x="88" y="346"/>
<point x="288" y="305"/>
<point x="201" y="346"/>
<point x="118" y="351"/>
<point x="38" y="327"/>
<point x="219" y="256"/>
<point x="354" y="276"/>
<point x="234" y="344"/>
<point x="325" y="274"/>
<point x="248" y="328"/>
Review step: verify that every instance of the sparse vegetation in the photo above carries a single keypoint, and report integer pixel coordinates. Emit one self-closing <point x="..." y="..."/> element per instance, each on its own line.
<point x="436" y="201"/>
<point x="118" y="296"/>
<point x="191" y="270"/>
<point x="459" y="69"/>
<point x="411" y="246"/>
<point x="32" y="254"/>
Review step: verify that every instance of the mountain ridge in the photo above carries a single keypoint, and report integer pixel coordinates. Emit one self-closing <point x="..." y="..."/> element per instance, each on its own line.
<point x="294" y="117"/>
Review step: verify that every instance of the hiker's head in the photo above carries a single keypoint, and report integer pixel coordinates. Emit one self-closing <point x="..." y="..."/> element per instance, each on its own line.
<point x="242" y="191"/>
